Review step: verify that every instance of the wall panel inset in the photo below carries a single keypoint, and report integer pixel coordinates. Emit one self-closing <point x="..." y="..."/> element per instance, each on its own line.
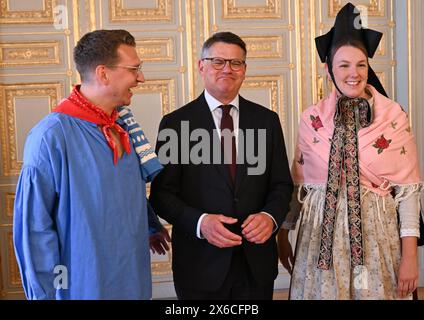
<point x="27" y="12"/>
<point x="12" y="97"/>
<point x="156" y="11"/>
<point x="29" y="53"/>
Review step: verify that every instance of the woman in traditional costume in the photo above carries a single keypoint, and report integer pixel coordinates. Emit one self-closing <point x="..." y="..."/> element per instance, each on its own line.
<point x="358" y="181"/>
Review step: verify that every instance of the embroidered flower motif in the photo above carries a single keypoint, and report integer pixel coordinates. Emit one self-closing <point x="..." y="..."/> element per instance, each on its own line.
<point x="315" y="141"/>
<point x="393" y="124"/>
<point x="375" y="185"/>
<point x="316" y="123"/>
<point x="408" y="129"/>
<point x="301" y="161"/>
<point x="382" y="143"/>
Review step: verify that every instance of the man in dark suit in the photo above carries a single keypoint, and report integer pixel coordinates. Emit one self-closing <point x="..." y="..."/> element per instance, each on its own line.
<point x="225" y="215"/>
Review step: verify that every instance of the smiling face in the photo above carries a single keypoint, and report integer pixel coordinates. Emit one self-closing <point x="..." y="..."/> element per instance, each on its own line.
<point x="223" y="84"/>
<point x="123" y="79"/>
<point x="350" y="69"/>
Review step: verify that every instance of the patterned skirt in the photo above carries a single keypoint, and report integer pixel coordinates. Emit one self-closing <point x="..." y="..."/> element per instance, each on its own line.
<point x="376" y="279"/>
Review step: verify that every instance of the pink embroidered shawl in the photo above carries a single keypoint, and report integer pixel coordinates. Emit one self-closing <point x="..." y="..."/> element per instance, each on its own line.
<point x="387" y="149"/>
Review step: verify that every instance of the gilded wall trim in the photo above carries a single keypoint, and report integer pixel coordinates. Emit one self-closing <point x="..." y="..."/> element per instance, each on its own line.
<point x="157" y="49"/>
<point x="264" y="47"/>
<point x="44" y="16"/>
<point x="91" y="12"/>
<point x="271" y="10"/>
<point x="15" y="277"/>
<point x="9" y="201"/>
<point x="8" y="94"/>
<point x="381" y="49"/>
<point x="162" y="12"/>
<point x="274" y="83"/>
<point x="303" y="39"/>
<point x="375" y="8"/>
<point x="195" y="44"/>
<point x="166" y="88"/>
<point x="29" y="53"/>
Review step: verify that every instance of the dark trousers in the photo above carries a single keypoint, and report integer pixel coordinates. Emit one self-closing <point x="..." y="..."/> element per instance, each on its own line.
<point x="238" y="285"/>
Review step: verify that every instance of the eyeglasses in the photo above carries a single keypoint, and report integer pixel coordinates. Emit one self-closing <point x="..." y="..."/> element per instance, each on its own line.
<point x="136" y="69"/>
<point x="219" y="63"/>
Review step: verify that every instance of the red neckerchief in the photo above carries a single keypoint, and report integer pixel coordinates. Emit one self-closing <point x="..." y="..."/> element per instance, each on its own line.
<point x="79" y="107"/>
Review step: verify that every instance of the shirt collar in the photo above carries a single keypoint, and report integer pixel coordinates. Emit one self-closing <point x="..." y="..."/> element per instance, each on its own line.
<point x="214" y="103"/>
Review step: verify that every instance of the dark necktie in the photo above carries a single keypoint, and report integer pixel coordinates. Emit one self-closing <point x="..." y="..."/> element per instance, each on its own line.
<point x="228" y="149"/>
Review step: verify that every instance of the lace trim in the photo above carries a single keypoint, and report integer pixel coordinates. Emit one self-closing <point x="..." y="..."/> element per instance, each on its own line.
<point x="403" y="192"/>
<point x="315" y="194"/>
<point x="409" y="233"/>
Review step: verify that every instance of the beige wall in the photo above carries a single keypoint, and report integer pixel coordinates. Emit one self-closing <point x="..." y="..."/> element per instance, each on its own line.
<point x="284" y="74"/>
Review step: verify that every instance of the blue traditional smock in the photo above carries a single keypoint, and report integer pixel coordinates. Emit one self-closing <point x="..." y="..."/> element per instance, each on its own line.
<point x="71" y="216"/>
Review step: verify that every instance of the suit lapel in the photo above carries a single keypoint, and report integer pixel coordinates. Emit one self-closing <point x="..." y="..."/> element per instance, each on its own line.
<point x="245" y="118"/>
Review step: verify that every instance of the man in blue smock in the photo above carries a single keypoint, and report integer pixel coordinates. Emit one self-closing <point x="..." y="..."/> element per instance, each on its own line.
<point x="81" y="225"/>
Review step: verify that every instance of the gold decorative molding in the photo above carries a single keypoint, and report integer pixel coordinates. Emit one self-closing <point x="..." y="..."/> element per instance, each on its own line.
<point x="91" y="12"/>
<point x="9" y="201"/>
<point x="375" y="8"/>
<point x="275" y="85"/>
<point x="158" y="49"/>
<point x="161" y="268"/>
<point x="381" y="49"/>
<point x="44" y="16"/>
<point x="196" y="34"/>
<point x="266" y="47"/>
<point x="162" y="12"/>
<point x="29" y="53"/>
<point x="8" y="94"/>
<point x="15" y="277"/>
<point x="166" y="88"/>
<point x="271" y="10"/>
<point x="302" y="41"/>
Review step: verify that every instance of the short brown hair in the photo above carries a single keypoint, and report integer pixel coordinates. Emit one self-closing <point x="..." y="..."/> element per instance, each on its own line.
<point x="99" y="47"/>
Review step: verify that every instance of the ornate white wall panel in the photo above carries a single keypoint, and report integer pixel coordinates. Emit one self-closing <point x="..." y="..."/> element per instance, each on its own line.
<point x="23" y="12"/>
<point x="10" y="96"/>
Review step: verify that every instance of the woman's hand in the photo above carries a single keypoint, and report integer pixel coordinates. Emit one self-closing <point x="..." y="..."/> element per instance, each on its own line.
<point x="285" y="251"/>
<point x="408" y="270"/>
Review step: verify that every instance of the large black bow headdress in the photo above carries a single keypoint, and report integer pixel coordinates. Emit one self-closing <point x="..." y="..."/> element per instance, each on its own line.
<point x="348" y="26"/>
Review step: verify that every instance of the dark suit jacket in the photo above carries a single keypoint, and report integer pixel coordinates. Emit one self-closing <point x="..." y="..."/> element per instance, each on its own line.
<point x="181" y="193"/>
